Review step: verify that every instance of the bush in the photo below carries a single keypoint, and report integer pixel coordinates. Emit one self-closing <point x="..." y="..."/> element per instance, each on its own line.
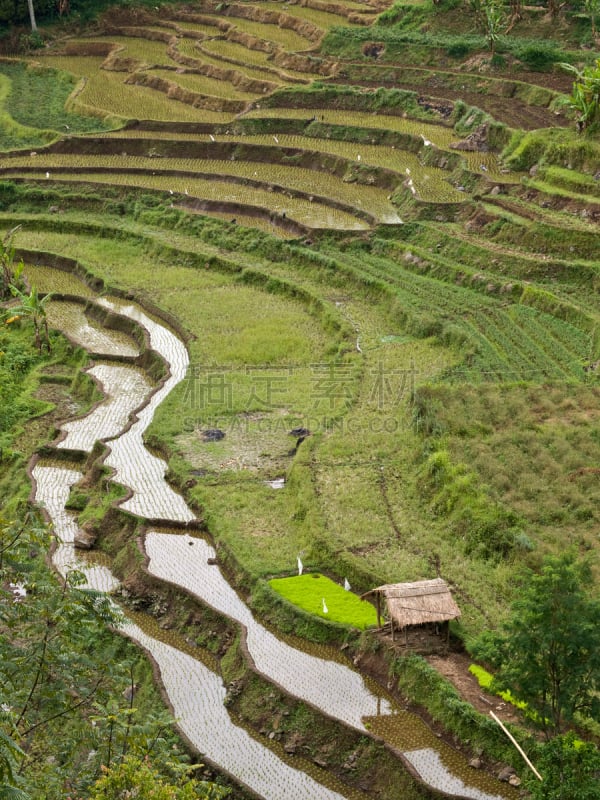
<point x="136" y="777"/>
<point x="459" y="49"/>
<point x="539" y="58"/>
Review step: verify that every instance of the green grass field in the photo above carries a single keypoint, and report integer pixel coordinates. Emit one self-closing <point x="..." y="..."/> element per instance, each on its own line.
<point x="319" y="595"/>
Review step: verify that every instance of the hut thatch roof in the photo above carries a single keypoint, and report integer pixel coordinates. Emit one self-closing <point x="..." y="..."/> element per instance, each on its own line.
<point x="419" y="602"/>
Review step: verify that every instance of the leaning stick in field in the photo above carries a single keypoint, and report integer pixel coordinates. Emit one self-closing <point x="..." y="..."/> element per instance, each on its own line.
<point x="517" y="745"/>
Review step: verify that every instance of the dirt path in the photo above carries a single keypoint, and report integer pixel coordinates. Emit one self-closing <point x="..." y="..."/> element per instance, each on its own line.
<point x="455" y="667"/>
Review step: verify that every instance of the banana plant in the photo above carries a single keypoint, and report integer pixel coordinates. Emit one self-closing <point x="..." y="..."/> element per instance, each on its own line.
<point x="32" y="306"/>
<point x="11" y="271"/>
<point x="585" y="95"/>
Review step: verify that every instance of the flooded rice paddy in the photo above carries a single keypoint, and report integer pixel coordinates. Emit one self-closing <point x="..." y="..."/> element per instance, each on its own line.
<point x="53" y="483"/>
<point x="86" y="332"/>
<point x="196" y="693"/>
<point x="336" y="690"/>
<point x="124" y="389"/>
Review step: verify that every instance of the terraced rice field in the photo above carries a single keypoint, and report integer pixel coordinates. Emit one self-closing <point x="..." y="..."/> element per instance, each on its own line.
<point x="371" y="263"/>
<point x="312" y="214"/>
<point x="202" y="84"/>
<point x="323" y="19"/>
<point x="346" y="697"/>
<point x="288" y="39"/>
<point x="142" y="50"/>
<point x="107" y="92"/>
<point x="234" y="53"/>
<point x="86" y="332"/>
<point x="189" y="48"/>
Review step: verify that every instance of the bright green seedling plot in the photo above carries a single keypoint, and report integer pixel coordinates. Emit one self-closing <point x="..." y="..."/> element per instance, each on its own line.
<point x="485" y="678"/>
<point x="315" y="593"/>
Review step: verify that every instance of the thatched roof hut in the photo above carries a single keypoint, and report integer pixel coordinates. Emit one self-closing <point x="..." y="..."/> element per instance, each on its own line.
<point x="416" y="603"/>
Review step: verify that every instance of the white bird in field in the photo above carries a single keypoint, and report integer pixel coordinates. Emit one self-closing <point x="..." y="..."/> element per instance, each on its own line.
<point x="276" y="139"/>
<point x="426" y="142"/>
<point x="358" y="157"/>
<point x="212" y="138"/>
<point x="347" y="586"/>
<point x="407" y="171"/>
<point x="300" y="566"/>
<point x="47" y="174"/>
<point x="18" y="590"/>
<point x="170" y="191"/>
<point x="325" y="609"/>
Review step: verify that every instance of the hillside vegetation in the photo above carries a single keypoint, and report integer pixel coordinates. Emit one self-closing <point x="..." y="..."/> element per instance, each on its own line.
<point x="377" y="225"/>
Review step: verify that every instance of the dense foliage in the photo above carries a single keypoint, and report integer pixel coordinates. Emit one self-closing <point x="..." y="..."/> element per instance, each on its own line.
<point x="549" y="650"/>
<point x="137" y="777"/>
<point x="570" y="768"/>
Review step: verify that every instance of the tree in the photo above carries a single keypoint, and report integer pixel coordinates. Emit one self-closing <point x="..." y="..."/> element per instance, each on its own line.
<point x="593" y="9"/>
<point x="136" y="777"/>
<point x="32" y="305"/>
<point x="32" y="15"/>
<point x="11" y="271"/>
<point x="494" y="21"/>
<point x="549" y="650"/>
<point x="570" y="770"/>
<point x="555" y="7"/>
<point x="9" y="779"/>
<point x="585" y="96"/>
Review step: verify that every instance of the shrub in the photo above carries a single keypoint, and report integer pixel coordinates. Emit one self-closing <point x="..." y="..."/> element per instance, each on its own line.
<point x="458" y="49"/>
<point x="539" y="57"/>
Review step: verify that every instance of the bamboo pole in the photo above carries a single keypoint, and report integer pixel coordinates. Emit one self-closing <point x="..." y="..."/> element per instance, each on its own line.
<point x="517" y="745"/>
